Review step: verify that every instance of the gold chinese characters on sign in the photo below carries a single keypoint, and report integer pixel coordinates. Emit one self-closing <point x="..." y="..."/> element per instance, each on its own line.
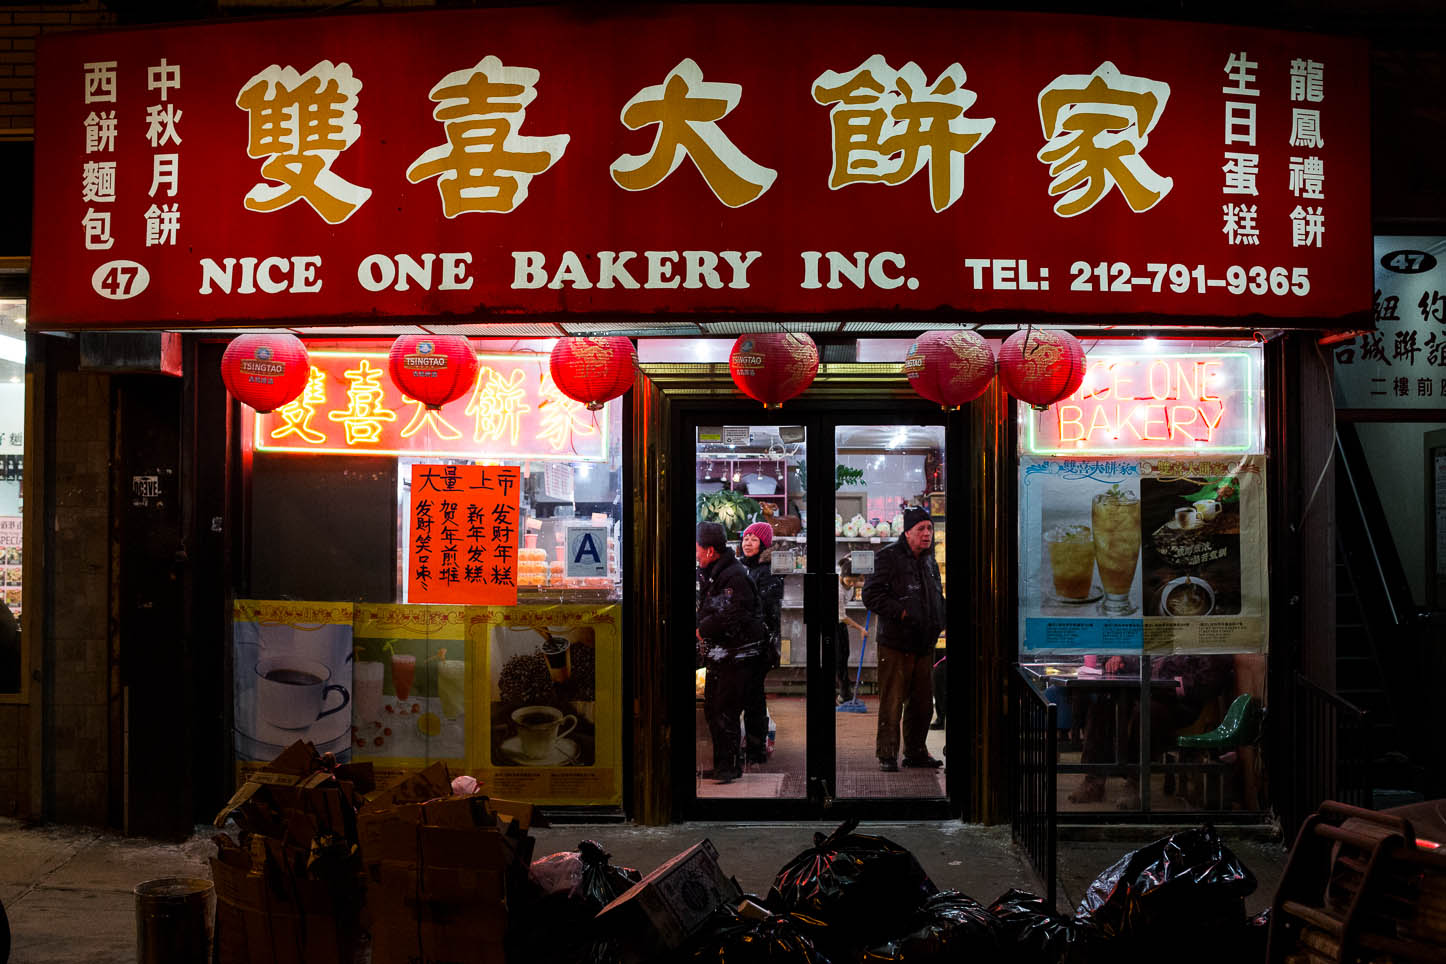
<point x="887" y="125"/>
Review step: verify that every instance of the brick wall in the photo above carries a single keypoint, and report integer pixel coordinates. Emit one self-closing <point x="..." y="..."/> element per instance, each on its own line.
<point x="79" y="693"/>
<point x="14" y="760"/>
<point x="19" y="26"/>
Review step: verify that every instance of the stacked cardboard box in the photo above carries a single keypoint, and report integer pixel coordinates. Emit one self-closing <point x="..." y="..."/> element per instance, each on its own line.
<point x="291" y="888"/>
<point x="442" y="871"/>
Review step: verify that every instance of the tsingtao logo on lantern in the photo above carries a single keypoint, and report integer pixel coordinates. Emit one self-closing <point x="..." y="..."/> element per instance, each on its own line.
<point x="261" y="364"/>
<point x="1155" y="402"/>
<point x="424" y="363"/>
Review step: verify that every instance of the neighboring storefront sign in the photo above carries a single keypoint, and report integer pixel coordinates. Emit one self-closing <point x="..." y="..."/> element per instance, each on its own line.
<point x="1136" y="399"/>
<point x="492" y="164"/>
<point x="12" y="531"/>
<point x="1402" y="363"/>
<point x="463" y="534"/>
<point x="292" y="677"/>
<point x="1158" y="555"/>
<point x="351" y="407"/>
<point x="525" y="699"/>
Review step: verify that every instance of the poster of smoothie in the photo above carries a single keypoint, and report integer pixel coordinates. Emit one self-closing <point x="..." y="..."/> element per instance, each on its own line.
<point x="409" y="701"/>
<point x="292" y="677"/>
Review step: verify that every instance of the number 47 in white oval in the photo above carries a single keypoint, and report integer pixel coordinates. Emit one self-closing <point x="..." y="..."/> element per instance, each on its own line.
<point x="119" y="280"/>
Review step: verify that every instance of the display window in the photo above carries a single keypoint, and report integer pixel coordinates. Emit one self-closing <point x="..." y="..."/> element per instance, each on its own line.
<point x="1143" y="574"/>
<point x="437" y="584"/>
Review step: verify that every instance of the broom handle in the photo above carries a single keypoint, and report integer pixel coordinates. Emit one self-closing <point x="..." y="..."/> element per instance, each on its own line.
<point x="863" y="647"/>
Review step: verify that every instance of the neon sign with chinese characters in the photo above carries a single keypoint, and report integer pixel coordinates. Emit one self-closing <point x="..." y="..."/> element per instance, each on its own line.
<point x="1150" y="401"/>
<point x="514" y="411"/>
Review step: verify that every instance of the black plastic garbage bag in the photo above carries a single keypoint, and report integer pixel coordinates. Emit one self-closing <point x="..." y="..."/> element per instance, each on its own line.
<point x="569" y="888"/>
<point x="859" y="885"/>
<point x="1189" y="880"/>
<point x="1030" y="932"/>
<point x="732" y="938"/>
<point x="949" y="927"/>
<point x="1182" y="896"/>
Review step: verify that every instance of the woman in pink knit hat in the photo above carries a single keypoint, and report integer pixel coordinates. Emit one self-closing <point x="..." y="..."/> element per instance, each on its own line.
<point x="757" y="559"/>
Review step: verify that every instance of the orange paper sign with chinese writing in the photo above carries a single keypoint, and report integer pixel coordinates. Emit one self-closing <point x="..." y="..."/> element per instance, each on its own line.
<point x="463" y="533"/>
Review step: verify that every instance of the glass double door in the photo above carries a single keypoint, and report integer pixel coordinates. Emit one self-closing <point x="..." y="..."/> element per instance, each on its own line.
<point x="808" y="507"/>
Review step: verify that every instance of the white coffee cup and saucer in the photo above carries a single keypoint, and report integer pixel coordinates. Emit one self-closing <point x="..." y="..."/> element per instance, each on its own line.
<point x="295" y="694"/>
<point x="541" y="738"/>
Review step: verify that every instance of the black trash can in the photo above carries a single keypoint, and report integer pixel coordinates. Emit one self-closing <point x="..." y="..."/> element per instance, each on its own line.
<point x="175" y="917"/>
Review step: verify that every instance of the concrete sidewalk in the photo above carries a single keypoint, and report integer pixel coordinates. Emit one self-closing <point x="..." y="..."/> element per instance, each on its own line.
<point x="68" y="892"/>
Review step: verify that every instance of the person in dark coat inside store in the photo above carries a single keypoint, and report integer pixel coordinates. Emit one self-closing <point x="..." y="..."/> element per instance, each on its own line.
<point x="731" y="637"/>
<point x="757" y="559"/>
<point x="906" y="595"/>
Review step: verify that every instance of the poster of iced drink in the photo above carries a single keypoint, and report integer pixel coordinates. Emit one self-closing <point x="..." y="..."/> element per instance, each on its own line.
<point x="409" y="705"/>
<point x="1158" y="554"/>
<point x="1080" y="554"/>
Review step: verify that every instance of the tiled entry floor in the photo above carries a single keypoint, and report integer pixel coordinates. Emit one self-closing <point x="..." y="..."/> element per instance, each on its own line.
<point x="783" y="776"/>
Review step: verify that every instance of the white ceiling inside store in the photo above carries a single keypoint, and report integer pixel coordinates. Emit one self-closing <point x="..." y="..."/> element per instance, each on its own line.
<point x="870" y="437"/>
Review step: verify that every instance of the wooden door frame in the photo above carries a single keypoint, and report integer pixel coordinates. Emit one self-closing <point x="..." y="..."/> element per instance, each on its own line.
<point x="982" y="472"/>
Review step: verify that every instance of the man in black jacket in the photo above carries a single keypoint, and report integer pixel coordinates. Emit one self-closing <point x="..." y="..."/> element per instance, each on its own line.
<point x="731" y="636"/>
<point x="907" y="595"/>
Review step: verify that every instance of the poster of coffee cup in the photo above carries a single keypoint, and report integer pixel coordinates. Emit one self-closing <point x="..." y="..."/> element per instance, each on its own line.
<point x="410" y="683"/>
<point x="292" y="676"/>
<point x="1192" y="555"/>
<point x="544" y="693"/>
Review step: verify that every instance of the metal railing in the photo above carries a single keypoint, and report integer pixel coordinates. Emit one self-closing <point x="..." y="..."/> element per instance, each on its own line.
<point x="1036" y="753"/>
<point x="1334" y="733"/>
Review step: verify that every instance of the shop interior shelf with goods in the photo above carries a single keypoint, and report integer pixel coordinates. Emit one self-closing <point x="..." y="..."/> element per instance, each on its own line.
<point x="758" y="478"/>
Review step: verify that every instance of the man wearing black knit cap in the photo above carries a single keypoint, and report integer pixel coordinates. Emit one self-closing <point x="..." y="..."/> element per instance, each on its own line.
<point x="907" y="595"/>
<point x="731" y="635"/>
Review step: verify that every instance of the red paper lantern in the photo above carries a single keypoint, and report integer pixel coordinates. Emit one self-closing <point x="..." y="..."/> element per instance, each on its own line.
<point x="950" y="367"/>
<point x="593" y="370"/>
<point x="267" y="370"/>
<point x="773" y="368"/>
<point x="1041" y="366"/>
<point x="433" y="369"/>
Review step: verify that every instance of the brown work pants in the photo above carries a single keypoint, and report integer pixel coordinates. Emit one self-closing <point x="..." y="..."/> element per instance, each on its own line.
<point x="904" y="685"/>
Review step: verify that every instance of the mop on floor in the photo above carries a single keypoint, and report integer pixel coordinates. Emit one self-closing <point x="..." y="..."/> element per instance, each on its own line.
<point x="856" y="705"/>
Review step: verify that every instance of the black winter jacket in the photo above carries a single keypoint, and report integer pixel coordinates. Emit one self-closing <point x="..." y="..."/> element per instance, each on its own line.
<point x="770" y="595"/>
<point x="729" y="616"/>
<point x="907" y="595"/>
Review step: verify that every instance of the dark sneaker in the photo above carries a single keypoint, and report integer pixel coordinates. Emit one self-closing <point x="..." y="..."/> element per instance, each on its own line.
<point x="926" y="762"/>
<point x="888" y="766"/>
<point x="726" y="776"/>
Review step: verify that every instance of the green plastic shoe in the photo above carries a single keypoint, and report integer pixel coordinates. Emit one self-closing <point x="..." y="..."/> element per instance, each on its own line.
<point x="1241" y="727"/>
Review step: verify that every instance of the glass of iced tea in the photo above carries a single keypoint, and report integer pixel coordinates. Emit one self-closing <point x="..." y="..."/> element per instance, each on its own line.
<point x="1115" y="518"/>
<point x="1071" y="552"/>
